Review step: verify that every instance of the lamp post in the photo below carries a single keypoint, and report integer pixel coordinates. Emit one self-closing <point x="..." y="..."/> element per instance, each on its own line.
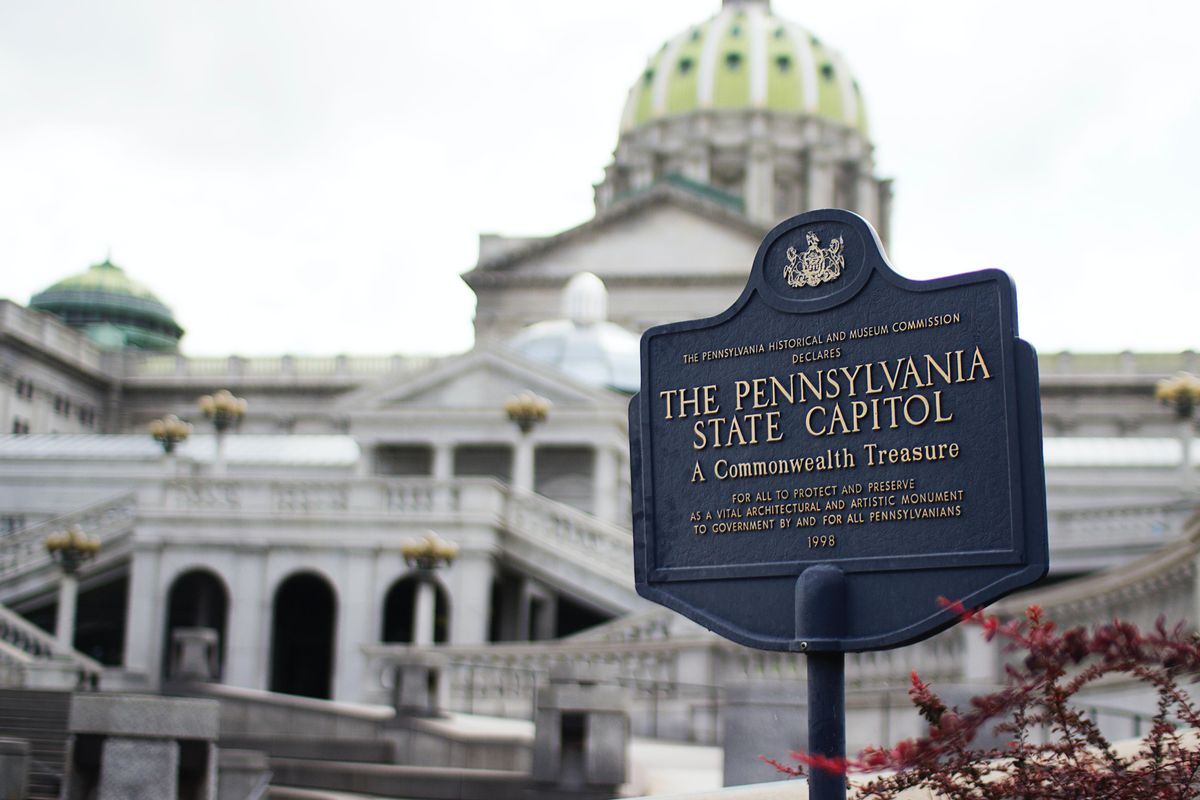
<point x="1181" y="393"/>
<point x="170" y="431"/>
<point x="226" y="411"/>
<point x="426" y="555"/>
<point x="525" y="410"/>
<point x="70" y="549"/>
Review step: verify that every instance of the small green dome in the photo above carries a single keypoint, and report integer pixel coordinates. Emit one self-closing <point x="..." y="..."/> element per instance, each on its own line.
<point x="114" y="310"/>
<point x="746" y="58"/>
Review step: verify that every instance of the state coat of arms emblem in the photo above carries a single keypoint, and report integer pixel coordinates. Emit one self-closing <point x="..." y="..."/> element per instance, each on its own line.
<point x="817" y="264"/>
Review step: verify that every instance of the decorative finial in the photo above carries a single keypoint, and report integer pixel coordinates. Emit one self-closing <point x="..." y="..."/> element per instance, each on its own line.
<point x="585" y="300"/>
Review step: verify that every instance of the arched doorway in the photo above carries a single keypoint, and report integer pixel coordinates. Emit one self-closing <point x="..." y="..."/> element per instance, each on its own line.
<point x="302" y="636"/>
<point x="197" y="599"/>
<point x="399" y="607"/>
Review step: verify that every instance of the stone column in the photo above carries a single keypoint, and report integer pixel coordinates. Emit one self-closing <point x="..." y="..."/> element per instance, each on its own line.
<point x="143" y="613"/>
<point x="357" y="622"/>
<point x="443" y="461"/>
<point x="366" y="459"/>
<point x="868" y="196"/>
<point x="470" y="578"/>
<point x="541" y="628"/>
<point x="523" y="464"/>
<point x="821" y="175"/>
<point x="696" y="162"/>
<point x="642" y="172"/>
<point x="605" y="481"/>
<point x="423" y="611"/>
<point x="64" y="623"/>
<point x="247" y="638"/>
<point x="760" y="183"/>
<point x="218" y="466"/>
<point x="982" y="659"/>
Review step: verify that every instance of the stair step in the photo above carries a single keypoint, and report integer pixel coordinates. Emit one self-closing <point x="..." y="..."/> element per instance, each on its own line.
<point x="40" y="718"/>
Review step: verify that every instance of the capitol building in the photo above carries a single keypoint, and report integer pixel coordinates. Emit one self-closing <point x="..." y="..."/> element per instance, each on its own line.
<point x="270" y="552"/>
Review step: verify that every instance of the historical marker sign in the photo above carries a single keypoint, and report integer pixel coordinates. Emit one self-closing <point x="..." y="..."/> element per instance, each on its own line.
<point x="838" y="415"/>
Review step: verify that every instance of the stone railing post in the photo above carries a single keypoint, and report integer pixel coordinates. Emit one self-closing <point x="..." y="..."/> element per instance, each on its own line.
<point x="15" y="759"/>
<point x="195" y="655"/>
<point x="581" y="731"/>
<point x="142" y="739"/>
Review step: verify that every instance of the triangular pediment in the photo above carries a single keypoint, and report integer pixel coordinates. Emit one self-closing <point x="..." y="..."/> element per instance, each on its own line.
<point x="483" y="378"/>
<point x="665" y="233"/>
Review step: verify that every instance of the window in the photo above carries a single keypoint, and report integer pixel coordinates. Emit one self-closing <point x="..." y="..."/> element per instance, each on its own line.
<point x="25" y="388"/>
<point x="733" y="60"/>
<point x="20" y="425"/>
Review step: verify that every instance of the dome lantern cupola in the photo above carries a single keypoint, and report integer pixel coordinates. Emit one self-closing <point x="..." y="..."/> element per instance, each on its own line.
<point x="754" y="106"/>
<point x="112" y="309"/>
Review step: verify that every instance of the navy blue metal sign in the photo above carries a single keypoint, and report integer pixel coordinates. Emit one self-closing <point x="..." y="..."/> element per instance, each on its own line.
<point x="815" y="466"/>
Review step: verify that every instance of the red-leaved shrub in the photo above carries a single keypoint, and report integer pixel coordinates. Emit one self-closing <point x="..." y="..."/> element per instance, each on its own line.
<point x="1054" y="750"/>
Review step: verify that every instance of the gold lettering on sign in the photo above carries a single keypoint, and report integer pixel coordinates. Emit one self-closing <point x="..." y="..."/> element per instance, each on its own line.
<point x="907" y="391"/>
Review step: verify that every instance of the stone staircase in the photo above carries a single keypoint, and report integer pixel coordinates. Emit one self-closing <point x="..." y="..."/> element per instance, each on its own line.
<point x="571" y="550"/>
<point x="39" y="717"/>
<point x="29" y="656"/>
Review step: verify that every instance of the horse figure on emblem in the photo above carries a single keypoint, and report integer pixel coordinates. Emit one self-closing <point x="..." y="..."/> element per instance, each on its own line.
<point x="817" y="265"/>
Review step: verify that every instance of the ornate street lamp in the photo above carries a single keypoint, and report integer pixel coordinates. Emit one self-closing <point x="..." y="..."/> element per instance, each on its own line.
<point x="225" y="410"/>
<point x="426" y="555"/>
<point x="1181" y="393"/>
<point x="170" y="431"/>
<point x="527" y="410"/>
<point x="429" y="553"/>
<point x="70" y="549"/>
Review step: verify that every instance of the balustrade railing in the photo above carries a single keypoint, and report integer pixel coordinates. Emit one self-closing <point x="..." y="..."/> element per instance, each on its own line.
<point x="385" y="497"/>
<point x="25" y="549"/>
<point x="23" y="645"/>
<point x="1147" y="525"/>
<point x="346" y="367"/>
<point x="556" y="525"/>
<point x="13" y="665"/>
<point x="677" y="679"/>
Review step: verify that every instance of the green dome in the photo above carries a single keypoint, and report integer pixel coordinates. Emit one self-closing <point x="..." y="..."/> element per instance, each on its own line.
<point x="745" y="58"/>
<point x="114" y="310"/>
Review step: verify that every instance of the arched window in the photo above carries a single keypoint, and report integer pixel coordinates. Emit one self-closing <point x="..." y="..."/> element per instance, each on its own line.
<point x="303" y="630"/>
<point x="197" y="599"/>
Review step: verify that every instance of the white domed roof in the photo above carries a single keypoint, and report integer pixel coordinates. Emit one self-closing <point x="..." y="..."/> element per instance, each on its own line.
<point x="585" y="345"/>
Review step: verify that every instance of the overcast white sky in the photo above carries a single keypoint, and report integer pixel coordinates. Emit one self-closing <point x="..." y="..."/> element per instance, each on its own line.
<point x="311" y="177"/>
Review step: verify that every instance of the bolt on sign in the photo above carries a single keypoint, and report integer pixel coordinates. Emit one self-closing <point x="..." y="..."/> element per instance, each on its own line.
<point x="838" y="416"/>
